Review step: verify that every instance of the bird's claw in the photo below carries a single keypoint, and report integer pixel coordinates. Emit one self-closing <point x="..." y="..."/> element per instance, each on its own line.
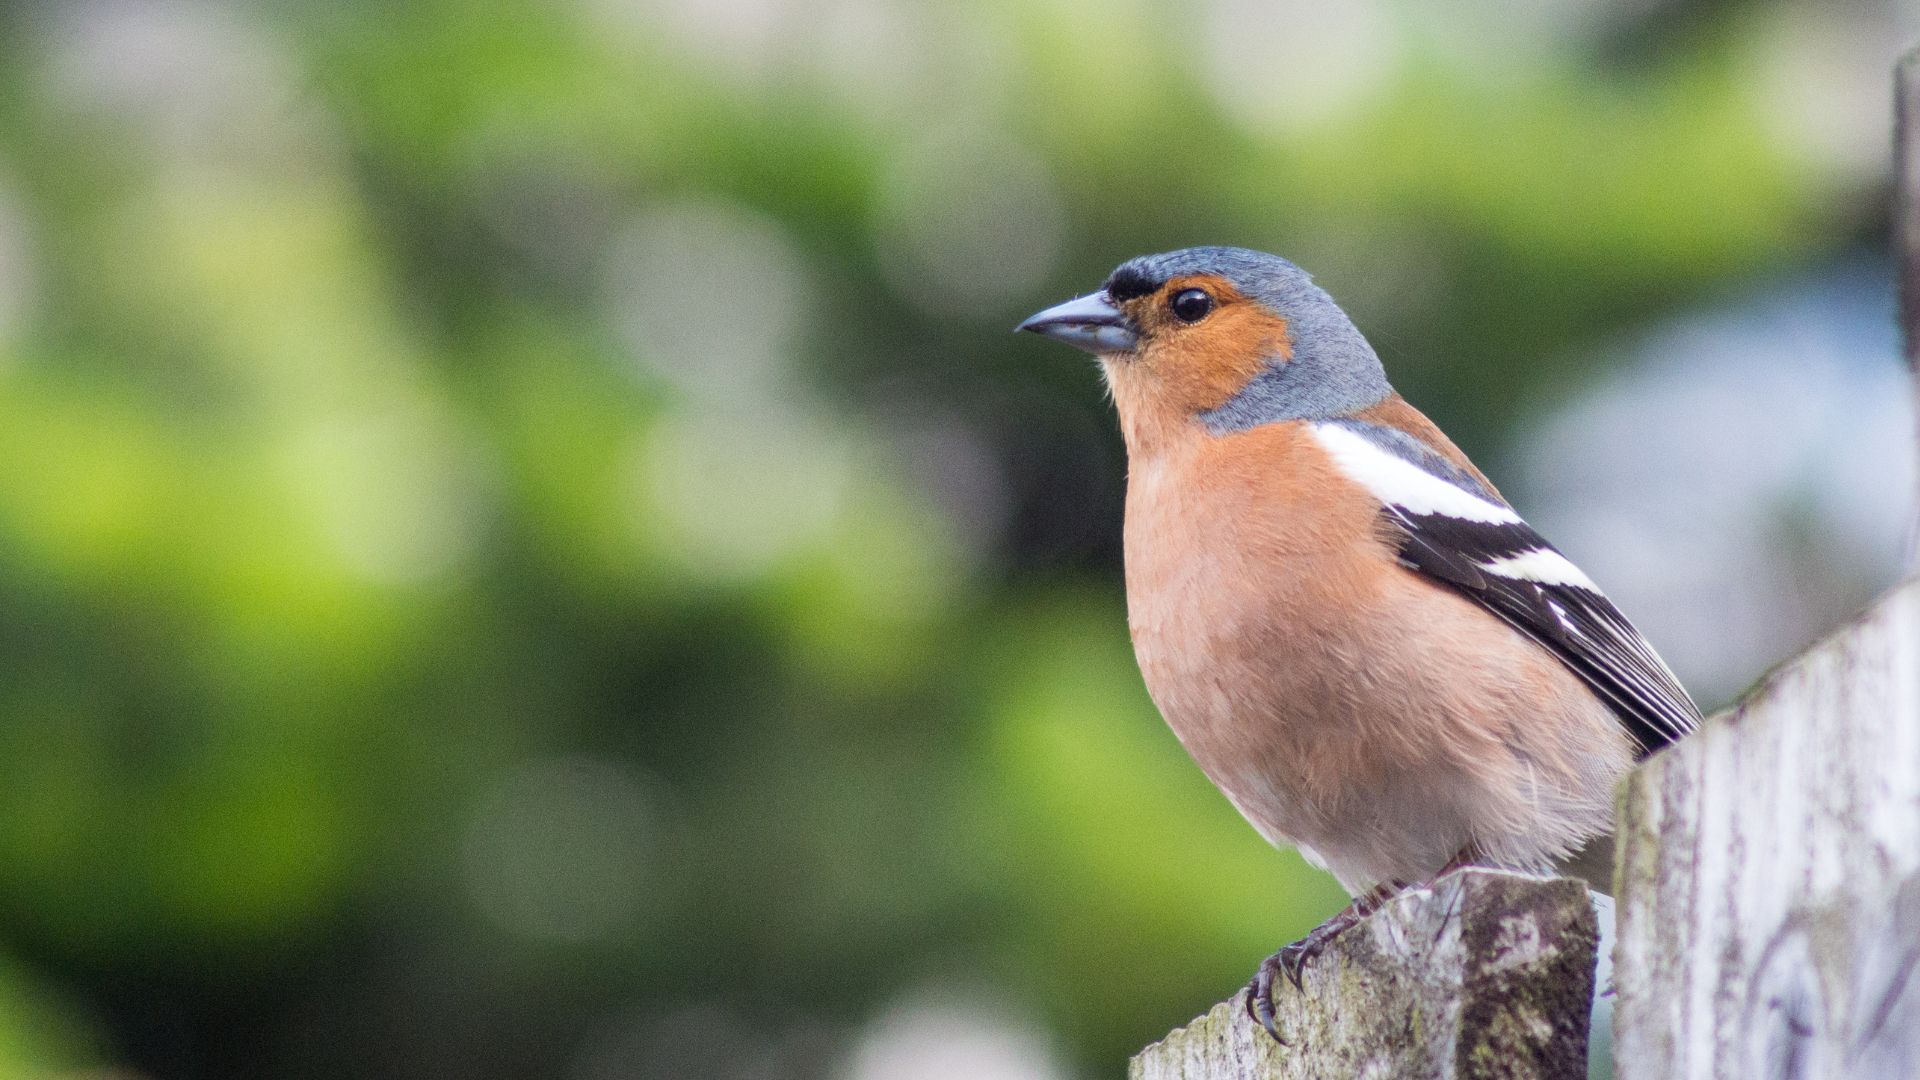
<point x="1260" y="997"/>
<point x="1291" y="963"/>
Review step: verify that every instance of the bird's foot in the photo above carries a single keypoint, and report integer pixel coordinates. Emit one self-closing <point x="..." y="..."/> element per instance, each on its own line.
<point x="1468" y="857"/>
<point x="1291" y="962"/>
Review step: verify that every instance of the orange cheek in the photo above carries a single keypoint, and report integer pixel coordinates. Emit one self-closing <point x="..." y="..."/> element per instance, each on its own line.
<point x="1201" y="367"/>
<point x="1181" y="371"/>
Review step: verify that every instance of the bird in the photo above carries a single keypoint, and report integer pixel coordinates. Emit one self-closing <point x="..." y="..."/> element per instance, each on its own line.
<point x="1352" y="632"/>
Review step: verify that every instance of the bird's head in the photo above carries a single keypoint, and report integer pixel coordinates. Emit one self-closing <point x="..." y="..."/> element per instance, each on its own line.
<point x="1222" y="337"/>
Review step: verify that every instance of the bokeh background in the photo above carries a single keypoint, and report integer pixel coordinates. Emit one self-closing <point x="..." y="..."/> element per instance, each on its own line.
<point x="527" y="548"/>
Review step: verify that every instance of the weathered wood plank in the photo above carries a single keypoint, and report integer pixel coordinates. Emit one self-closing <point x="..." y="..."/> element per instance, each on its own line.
<point x="1769" y="909"/>
<point x="1486" y="975"/>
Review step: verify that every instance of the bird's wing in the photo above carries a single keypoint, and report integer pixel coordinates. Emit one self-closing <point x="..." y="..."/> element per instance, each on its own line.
<point x="1457" y="532"/>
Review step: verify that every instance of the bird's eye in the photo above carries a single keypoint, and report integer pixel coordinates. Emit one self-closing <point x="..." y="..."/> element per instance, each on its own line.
<point x="1191" y="305"/>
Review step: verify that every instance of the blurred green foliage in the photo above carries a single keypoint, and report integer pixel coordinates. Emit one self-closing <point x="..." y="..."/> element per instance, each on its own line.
<point x="406" y="672"/>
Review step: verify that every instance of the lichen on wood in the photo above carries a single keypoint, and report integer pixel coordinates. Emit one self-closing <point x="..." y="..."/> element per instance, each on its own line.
<point x="1484" y="975"/>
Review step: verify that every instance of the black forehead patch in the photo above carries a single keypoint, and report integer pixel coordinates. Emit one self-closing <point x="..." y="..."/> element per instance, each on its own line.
<point x="1255" y="273"/>
<point x="1260" y="275"/>
<point x="1131" y="280"/>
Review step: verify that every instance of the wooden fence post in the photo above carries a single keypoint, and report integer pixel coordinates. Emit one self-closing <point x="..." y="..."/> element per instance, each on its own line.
<point x="1486" y="975"/>
<point x="1769" y="889"/>
<point x="1770" y="875"/>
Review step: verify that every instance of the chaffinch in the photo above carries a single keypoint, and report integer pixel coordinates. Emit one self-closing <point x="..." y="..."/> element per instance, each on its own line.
<point x="1355" y="636"/>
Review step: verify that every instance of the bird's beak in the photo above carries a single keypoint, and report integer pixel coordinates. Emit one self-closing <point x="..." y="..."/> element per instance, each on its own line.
<point x="1089" y="323"/>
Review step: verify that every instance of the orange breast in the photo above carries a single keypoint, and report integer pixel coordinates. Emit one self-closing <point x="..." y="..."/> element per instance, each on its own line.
<point x="1248" y="559"/>
<point x="1340" y="701"/>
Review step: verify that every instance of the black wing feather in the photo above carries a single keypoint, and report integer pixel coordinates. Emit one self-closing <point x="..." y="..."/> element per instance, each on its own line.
<point x="1578" y="625"/>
